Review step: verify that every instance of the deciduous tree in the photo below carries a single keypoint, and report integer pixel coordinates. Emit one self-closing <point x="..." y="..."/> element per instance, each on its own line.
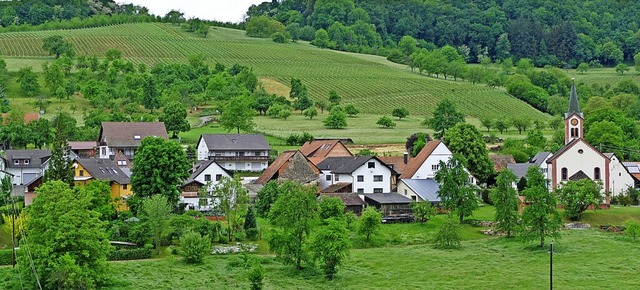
<point x="58" y="46"/>
<point x="457" y="193"/>
<point x="578" y="196"/>
<point x="444" y="117"/>
<point x="231" y="199"/>
<point x="540" y="218"/>
<point x="448" y="235"/>
<point x="466" y="141"/>
<point x="331" y="246"/>
<point x="155" y="215"/>
<point x="310" y="113"/>
<point x="386" y="122"/>
<point x="237" y="114"/>
<point x="175" y="118"/>
<point x="505" y="200"/>
<point x="423" y="210"/>
<point x="337" y="118"/>
<point x="400" y="112"/>
<point x="369" y="222"/>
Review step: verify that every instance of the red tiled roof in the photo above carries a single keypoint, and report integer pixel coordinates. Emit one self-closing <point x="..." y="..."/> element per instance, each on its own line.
<point x="415" y="163"/>
<point x="395" y="162"/>
<point x="275" y="166"/>
<point x="318" y="150"/>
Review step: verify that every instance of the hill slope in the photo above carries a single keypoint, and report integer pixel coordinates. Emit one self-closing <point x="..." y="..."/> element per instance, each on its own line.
<point x="371" y="83"/>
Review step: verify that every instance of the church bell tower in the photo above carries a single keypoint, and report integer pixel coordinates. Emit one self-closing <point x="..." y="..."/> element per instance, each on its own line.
<point x="573" y="119"/>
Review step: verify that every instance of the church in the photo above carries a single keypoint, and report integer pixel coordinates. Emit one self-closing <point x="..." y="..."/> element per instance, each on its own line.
<point x="579" y="160"/>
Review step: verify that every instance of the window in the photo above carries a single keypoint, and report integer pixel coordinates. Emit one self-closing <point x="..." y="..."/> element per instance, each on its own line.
<point x="328" y="177"/>
<point x="405" y="192"/>
<point x="136" y="137"/>
<point x="360" y="190"/>
<point x="413" y="197"/>
<point x="371" y="165"/>
<point x="580" y="151"/>
<point x="435" y="167"/>
<point x="81" y="173"/>
<point x="207" y="177"/>
<point x="360" y="178"/>
<point x="218" y="177"/>
<point x="337" y="177"/>
<point x="16" y="161"/>
<point x="564" y="173"/>
<point x="239" y="153"/>
<point x="377" y="178"/>
<point x="26" y="161"/>
<point x="103" y="151"/>
<point x="377" y="190"/>
<point x="124" y="186"/>
<point x="596" y="173"/>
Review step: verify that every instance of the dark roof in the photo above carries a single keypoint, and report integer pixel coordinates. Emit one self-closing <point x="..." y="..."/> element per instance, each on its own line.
<point x="36" y="158"/>
<point x="538" y="159"/>
<point x="104" y="169"/>
<point x="579" y="175"/>
<point x="427" y="189"/>
<point x="574" y="105"/>
<point x="82" y="145"/>
<point x="387" y="198"/>
<point x="349" y="199"/>
<point x="235" y="141"/>
<point x="200" y="167"/>
<point x="345" y="165"/>
<point x="520" y="169"/>
<point x="336" y="187"/>
<point x="415" y="163"/>
<point x="130" y="134"/>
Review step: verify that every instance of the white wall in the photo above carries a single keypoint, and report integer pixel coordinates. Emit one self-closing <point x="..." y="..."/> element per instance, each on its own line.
<point x="368" y="184"/>
<point x="620" y="178"/>
<point x="575" y="162"/>
<point x="203" y="151"/>
<point x="212" y="170"/>
<point x="441" y="153"/>
<point x="18" y="174"/>
<point x="406" y="191"/>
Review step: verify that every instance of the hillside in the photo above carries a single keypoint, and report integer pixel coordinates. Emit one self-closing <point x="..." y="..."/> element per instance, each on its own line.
<point x="371" y="83"/>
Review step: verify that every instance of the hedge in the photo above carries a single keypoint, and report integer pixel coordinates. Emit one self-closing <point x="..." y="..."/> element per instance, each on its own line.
<point x="128" y="254"/>
<point x="5" y="257"/>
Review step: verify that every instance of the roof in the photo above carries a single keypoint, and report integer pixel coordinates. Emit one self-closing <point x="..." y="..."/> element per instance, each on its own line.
<point x="235" y="141"/>
<point x="579" y="175"/>
<point x="633" y="168"/>
<point x="574" y="104"/>
<point x="317" y="150"/>
<point x="415" y="163"/>
<point x="104" y="169"/>
<point x="275" y="166"/>
<point x="36" y="158"/>
<point x="28" y="117"/>
<point x="349" y="199"/>
<point x="538" y="159"/>
<point x="609" y="155"/>
<point x="520" y="169"/>
<point x="387" y="198"/>
<point x="500" y="161"/>
<point x="345" y="165"/>
<point x="82" y="145"/>
<point x="130" y="134"/>
<point x="200" y="167"/>
<point x="427" y="189"/>
<point x="395" y="162"/>
<point x="336" y="187"/>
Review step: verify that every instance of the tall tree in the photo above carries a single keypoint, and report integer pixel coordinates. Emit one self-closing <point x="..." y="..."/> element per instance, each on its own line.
<point x="160" y="168"/>
<point x="370" y="222"/>
<point x="505" y="200"/>
<point x="578" y="196"/>
<point x="155" y="216"/>
<point x="175" y="118"/>
<point x="150" y="94"/>
<point x="466" y="140"/>
<point x="28" y="81"/>
<point x="237" y="114"/>
<point x="444" y="117"/>
<point x="231" y="199"/>
<point x="540" y="219"/>
<point x="58" y="46"/>
<point x="337" y="118"/>
<point x="457" y="193"/>
<point x="331" y="246"/>
<point x="60" y="162"/>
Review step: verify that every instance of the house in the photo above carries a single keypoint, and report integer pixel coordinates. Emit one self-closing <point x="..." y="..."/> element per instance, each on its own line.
<point x="390" y="204"/>
<point x="205" y="172"/>
<point x="26" y="165"/>
<point x="580" y="160"/>
<point x="365" y="174"/>
<point x="83" y="149"/>
<point x="420" y="190"/>
<point x="427" y="162"/>
<point x="540" y="160"/>
<point x="352" y="202"/>
<point x="318" y="150"/>
<point x="236" y="152"/>
<point x="29" y="189"/>
<point x="126" y="137"/>
<point x="88" y="169"/>
<point x="634" y="169"/>
<point x="500" y="161"/>
<point x="291" y="165"/>
<point x="398" y="164"/>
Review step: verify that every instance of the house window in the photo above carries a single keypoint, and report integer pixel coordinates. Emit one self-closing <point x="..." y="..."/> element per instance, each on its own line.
<point x="103" y="151"/>
<point x="564" y="173"/>
<point x="218" y="177"/>
<point x="435" y="167"/>
<point x="26" y="161"/>
<point x="360" y="178"/>
<point x="16" y="161"/>
<point x="413" y="197"/>
<point x="377" y="190"/>
<point x="239" y="153"/>
<point x="328" y="177"/>
<point x="405" y="192"/>
<point x="360" y="190"/>
<point x="596" y="173"/>
<point x="124" y="186"/>
<point x="218" y="154"/>
<point x="207" y="177"/>
<point x="337" y="177"/>
<point x="377" y="178"/>
<point x="371" y="165"/>
<point x="81" y="173"/>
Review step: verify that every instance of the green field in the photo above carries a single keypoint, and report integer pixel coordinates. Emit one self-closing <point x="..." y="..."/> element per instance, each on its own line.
<point x="370" y="82"/>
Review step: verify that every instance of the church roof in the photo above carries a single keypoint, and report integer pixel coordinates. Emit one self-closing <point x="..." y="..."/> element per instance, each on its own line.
<point x="574" y="105"/>
<point x="569" y="145"/>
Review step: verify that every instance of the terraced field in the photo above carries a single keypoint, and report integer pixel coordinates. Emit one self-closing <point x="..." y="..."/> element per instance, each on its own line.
<point x="371" y="83"/>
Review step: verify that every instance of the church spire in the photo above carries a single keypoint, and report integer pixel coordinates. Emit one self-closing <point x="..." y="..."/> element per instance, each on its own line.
<point x="574" y="105"/>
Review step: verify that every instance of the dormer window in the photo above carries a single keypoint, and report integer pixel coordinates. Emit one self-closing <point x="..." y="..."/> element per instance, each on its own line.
<point x="26" y="161"/>
<point x="371" y="165"/>
<point x="16" y="161"/>
<point x="136" y="137"/>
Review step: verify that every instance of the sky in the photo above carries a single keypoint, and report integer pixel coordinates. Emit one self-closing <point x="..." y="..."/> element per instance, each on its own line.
<point x="219" y="10"/>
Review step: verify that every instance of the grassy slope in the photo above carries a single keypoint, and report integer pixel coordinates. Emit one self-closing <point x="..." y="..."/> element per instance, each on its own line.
<point x="371" y="83"/>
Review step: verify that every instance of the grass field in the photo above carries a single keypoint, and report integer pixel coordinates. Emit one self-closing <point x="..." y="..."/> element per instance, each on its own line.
<point x="370" y="82"/>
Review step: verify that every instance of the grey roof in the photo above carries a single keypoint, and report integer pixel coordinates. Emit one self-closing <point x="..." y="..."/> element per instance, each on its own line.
<point x="200" y="167"/>
<point x="520" y="169"/>
<point x="574" y="105"/>
<point x="36" y="158"/>
<point x="235" y="141"/>
<point x="538" y="159"/>
<point x="387" y="198"/>
<point x="427" y="189"/>
<point x="348" y="164"/>
<point x="104" y="169"/>
<point x="130" y="134"/>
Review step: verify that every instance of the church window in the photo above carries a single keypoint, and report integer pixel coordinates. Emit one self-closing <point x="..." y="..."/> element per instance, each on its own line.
<point x="580" y="151"/>
<point x="596" y="173"/>
<point x="564" y="173"/>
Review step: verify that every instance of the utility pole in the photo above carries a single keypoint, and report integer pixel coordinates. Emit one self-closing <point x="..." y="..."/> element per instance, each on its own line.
<point x="13" y="233"/>
<point x="551" y="267"/>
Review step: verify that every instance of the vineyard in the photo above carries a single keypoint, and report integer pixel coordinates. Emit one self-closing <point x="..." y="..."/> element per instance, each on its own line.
<point x="371" y="83"/>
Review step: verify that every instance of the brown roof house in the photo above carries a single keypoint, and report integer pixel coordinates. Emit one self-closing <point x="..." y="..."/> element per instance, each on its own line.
<point x="291" y="165"/>
<point x="237" y="152"/>
<point x="126" y="137"/>
<point x="83" y="149"/>
<point x="318" y="150"/>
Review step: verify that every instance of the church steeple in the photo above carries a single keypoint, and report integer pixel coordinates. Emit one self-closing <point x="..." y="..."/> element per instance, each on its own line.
<point x="573" y="119"/>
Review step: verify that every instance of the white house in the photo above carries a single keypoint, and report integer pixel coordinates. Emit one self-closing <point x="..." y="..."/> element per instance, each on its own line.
<point x="420" y="189"/>
<point x="26" y="165"/>
<point x="126" y="137"/>
<point x="237" y="152"/>
<point x="3" y="172"/>
<point x="621" y="178"/>
<point x="427" y="162"/>
<point x="362" y="174"/>
<point x="207" y="172"/>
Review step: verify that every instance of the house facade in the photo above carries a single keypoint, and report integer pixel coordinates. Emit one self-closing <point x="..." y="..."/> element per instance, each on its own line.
<point x="291" y="165"/>
<point x="365" y="174"/>
<point x="236" y="152"/>
<point x="205" y="172"/>
<point x="26" y="165"/>
<point x="427" y="162"/>
<point x="420" y="190"/>
<point x="126" y="137"/>
<point x="86" y="170"/>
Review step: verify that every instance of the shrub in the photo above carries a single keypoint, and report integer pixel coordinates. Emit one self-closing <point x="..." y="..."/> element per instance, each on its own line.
<point x="239" y="236"/>
<point x="194" y="247"/>
<point x="129" y="254"/>
<point x="632" y="229"/>
<point x="448" y="236"/>
<point x="253" y="234"/>
<point x="256" y="275"/>
<point x="5" y="257"/>
<point x="280" y="37"/>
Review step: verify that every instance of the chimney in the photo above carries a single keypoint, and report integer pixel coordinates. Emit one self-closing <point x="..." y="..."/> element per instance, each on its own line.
<point x="406" y="157"/>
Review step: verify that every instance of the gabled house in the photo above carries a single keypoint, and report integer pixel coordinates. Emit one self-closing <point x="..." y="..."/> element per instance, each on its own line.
<point x="291" y="165"/>
<point x="3" y="172"/>
<point x="427" y="162"/>
<point x="83" y="149"/>
<point x="540" y="160"/>
<point x="126" y="137"/>
<point x="634" y="170"/>
<point x="390" y="204"/>
<point x="317" y="150"/>
<point x="26" y="165"/>
<point x="365" y="174"/>
<point x="203" y="173"/>
<point x="236" y="152"/>
<point x="420" y="189"/>
<point x="88" y="169"/>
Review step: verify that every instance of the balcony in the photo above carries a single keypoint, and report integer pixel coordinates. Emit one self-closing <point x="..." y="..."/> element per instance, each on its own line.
<point x="239" y="158"/>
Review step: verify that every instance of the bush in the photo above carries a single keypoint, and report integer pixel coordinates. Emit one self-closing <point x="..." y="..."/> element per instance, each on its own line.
<point x="256" y="275"/>
<point x="280" y="37"/>
<point x="299" y="140"/>
<point x="194" y="247"/>
<point x="5" y="257"/>
<point x="449" y="235"/>
<point x="253" y="234"/>
<point x="129" y="254"/>
<point x="239" y="236"/>
<point x="632" y="229"/>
